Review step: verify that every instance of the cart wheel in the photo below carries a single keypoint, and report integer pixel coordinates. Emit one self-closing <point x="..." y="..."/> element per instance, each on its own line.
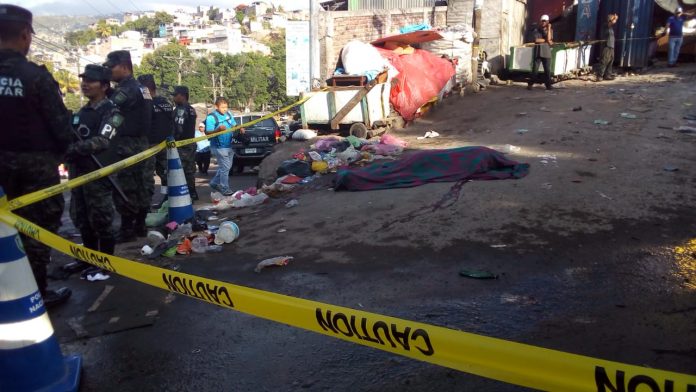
<point x="358" y="130"/>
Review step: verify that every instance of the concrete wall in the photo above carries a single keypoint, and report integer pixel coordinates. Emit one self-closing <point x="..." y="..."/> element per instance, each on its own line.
<point x="337" y="28"/>
<point x="502" y="25"/>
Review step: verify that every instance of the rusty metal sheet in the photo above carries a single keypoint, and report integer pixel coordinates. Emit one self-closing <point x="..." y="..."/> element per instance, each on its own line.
<point x="415" y="37"/>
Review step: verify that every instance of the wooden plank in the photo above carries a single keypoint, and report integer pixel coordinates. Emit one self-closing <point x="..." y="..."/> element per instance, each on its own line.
<point x="351" y="104"/>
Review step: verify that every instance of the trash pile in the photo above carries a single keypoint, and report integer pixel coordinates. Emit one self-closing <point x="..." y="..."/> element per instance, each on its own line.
<point x="329" y="154"/>
<point x="198" y="236"/>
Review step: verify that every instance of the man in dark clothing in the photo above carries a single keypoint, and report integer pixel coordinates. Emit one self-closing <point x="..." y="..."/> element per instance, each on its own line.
<point x="36" y="133"/>
<point x="160" y="129"/>
<point x="543" y="39"/>
<point x="675" y="27"/>
<point x="604" y="71"/>
<point x="91" y="205"/>
<point x="135" y="104"/>
<point x="185" y="128"/>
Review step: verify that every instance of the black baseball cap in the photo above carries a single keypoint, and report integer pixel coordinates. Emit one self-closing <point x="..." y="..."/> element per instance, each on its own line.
<point x="148" y="81"/>
<point x="96" y="72"/>
<point x="117" y="57"/>
<point x="13" y="13"/>
<point x="183" y="90"/>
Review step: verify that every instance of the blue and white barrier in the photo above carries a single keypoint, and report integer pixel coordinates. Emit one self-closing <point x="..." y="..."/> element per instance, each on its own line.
<point x="180" y="207"/>
<point x="30" y="357"/>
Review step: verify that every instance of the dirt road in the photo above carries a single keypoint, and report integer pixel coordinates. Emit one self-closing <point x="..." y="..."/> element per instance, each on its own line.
<point x="583" y="246"/>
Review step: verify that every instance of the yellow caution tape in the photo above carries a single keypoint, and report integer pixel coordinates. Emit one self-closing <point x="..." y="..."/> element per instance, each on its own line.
<point x="33" y="197"/>
<point x="184" y="142"/>
<point x="79" y="181"/>
<point x="502" y="360"/>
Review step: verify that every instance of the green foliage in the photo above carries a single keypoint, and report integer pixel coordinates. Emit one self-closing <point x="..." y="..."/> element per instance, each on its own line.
<point x="73" y="102"/>
<point x="81" y="37"/>
<point x="239" y="16"/>
<point x="68" y="82"/>
<point x="103" y="29"/>
<point x="213" y="14"/>
<point x="147" y="25"/>
<point x="248" y="79"/>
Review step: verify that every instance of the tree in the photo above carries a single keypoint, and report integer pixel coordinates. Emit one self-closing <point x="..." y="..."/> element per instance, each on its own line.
<point x="240" y="17"/>
<point x="80" y="37"/>
<point x="103" y="29"/>
<point x="160" y="64"/>
<point x="214" y="14"/>
<point x="68" y="82"/>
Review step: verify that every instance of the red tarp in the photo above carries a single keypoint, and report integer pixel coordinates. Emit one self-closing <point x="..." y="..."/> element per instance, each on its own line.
<point x="422" y="75"/>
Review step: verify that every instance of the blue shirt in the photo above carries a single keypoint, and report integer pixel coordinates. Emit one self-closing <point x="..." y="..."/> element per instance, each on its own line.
<point x="203" y="145"/>
<point x="676" y="23"/>
<point x="213" y="121"/>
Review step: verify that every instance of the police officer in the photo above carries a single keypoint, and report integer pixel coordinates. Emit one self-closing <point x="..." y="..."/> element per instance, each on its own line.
<point x="161" y="127"/>
<point x="135" y="104"/>
<point x="35" y="135"/>
<point x="185" y="128"/>
<point x="91" y="205"/>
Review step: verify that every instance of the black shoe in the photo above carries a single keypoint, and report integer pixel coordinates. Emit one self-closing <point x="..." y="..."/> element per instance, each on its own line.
<point x="194" y="196"/>
<point x="549" y="87"/>
<point x="74" y="267"/>
<point x="609" y="78"/>
<point x="53" y="298"/>
<point x="529" y="86"/>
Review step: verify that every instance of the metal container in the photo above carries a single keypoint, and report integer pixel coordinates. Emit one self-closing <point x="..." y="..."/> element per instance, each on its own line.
<point x="633" y="30"/>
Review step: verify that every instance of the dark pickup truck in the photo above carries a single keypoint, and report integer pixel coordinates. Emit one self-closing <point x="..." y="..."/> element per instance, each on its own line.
<point x="262" y="137"/>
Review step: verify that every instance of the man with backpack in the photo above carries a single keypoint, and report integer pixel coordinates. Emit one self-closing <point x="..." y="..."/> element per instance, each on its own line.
<point x="221" y="146"/>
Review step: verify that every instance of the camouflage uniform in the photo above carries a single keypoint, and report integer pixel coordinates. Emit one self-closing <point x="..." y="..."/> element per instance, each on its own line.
<point x="134" y="103"/>
<point x="91" y="206"/>
<point x="36" y="132"/>
<point x="185" y="128"/>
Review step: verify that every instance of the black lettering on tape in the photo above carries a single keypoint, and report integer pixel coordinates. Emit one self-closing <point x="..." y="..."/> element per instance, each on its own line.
<point x="197" y="289"/>
<point x="401" y="337"/>
<point x="342" y="317"/>
<point x="419" y="333"/>
<point x="384" y="327"/>
<point x="636" y="381"/>
<point x="340" y="323"/>
<point x="363" y="326"/>
<point x="102" y="262"/>
<point x="27" y="229"/>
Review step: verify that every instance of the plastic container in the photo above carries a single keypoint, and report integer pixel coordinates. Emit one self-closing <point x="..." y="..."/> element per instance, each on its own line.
<point x="213" y="248"/>
<point x="227" y="233"/>
<point x="199" y="244"/>
<point x="154" y="238"/>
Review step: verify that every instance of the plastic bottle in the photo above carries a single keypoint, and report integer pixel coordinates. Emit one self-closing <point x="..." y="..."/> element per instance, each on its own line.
<point x="213" y="248"/>
<point x="199" y="244"/>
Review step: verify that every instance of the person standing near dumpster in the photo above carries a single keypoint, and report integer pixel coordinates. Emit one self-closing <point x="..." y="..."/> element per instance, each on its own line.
<point x="543" y="39"/>
<point x="36" y="133"/>
<point x="135" y="104"/>
<point x="161" y="127"/>
<point x="91" y="205"/>
<point x="185" y="128"/>
<point x="675" y="27"/>
<point x="604" y="71"/>
<point x="221" y="146"/>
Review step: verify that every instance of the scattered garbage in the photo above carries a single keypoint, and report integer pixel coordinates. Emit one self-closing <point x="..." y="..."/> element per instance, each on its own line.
<point x="304" y="134"/>
<point x="395" y="141"/>
<point x="521" y="114"/>
<point x="146" y="250"/>
<point x="601" y="122"/>
<point x="428" y="135"/>
<point x="604" y="196"/>
<point x="690" y="117"/>
<point x="629" y="115"/>
<point x="154" y="238"/>
<point x="686" y="129"/>
<point x="292" y="203"/>
<point x="521" y="131"/>
<point x="577" y="109"/>
<point x="547" y="185"/>
<point x="670" y="168"/>
<point x="282" y="230"/>
<point x="199" y="243"/>
<point x="279" y="261"/>
<point x="546" y="158"/>
<point x="498" y="246"/>
<point x="154" y="219"/>
<point x="509" y="148"/>
<point x="228" y="232"/>
<point x="94" y="274"/>
<point x="478" y="274"/>
<point x="296" y="167"/>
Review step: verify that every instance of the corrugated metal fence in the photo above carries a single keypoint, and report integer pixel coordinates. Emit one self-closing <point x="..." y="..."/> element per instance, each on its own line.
<point x="356" y="5"/>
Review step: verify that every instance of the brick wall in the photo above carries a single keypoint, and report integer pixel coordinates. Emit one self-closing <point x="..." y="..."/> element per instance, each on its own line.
<point x="338" y="28"/>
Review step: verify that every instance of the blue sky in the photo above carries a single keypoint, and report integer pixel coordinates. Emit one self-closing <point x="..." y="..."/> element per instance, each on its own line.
<point x="108" y="7"/>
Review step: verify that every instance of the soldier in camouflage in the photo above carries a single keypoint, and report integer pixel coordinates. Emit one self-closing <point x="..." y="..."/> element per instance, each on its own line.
<point x="135" y="104"/>
<point x="185" y="128"/>
<point x="160" y="129"/>
<point x="36" y="133"/>
<point x="91" y="205"/>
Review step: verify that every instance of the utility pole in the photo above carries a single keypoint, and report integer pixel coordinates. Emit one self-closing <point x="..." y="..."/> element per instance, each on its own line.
<point x="478" y="5"/>
<point x="180" y="64"/>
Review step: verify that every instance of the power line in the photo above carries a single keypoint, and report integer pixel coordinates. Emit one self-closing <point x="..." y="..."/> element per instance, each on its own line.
<point x="112" y="4"/>
<point x="99" y="13"/>
<point x="57" y="48"/>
